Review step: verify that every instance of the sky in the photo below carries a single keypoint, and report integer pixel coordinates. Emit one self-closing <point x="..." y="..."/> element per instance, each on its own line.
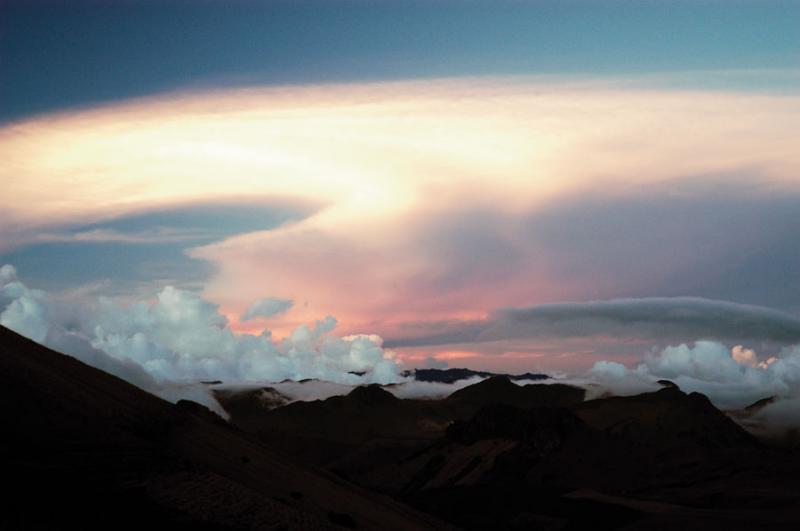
<point x="295" y="189"/>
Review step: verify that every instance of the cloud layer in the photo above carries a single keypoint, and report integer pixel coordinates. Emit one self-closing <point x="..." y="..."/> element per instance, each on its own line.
<point x="655" y="318"/>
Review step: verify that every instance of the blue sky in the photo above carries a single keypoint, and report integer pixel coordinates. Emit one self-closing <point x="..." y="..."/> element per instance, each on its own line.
<point x="59" y="54"/>
<point x="146" y="248"/>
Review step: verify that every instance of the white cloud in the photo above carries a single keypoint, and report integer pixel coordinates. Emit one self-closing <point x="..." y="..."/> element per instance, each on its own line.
<point x="25" y="310"/>
<point x="180" y="337"/>
<point x="731" y="378"/>
<point x="431" y="390"/>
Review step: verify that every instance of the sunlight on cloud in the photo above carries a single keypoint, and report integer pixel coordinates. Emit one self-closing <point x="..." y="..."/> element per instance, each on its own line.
<point x="395" y="163"/>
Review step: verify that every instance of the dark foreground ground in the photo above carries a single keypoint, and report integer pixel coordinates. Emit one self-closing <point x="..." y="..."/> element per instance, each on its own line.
<point x="83" y="449"/>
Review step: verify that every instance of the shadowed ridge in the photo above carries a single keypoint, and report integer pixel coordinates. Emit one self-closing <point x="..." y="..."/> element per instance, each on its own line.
<point x="666" y="415"/>
<point x="498" y="388"/>
<point x="455" y="374"/>
<point x="501" y="390"/>
<point x="758" y="405"/>
<point x="372" y="394"/>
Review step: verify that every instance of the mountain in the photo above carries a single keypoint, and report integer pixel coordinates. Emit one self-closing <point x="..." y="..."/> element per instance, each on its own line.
<point x="662" y="460"/>
<point x="501" y="390"/>
<point x="456" y="374"/>
<point x="498" y="455"/>
<point x="667" y="417"/>
<point x="342" y="432"/>
<point x="84" y="449"/>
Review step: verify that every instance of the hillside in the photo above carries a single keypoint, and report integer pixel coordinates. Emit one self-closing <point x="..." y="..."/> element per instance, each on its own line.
<point x="83" y="449"/>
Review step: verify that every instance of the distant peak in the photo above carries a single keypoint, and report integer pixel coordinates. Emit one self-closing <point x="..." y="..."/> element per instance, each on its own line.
<point x="372" y="394"/>
<point x="455" y="374"/>
<point x="759" y="404"/>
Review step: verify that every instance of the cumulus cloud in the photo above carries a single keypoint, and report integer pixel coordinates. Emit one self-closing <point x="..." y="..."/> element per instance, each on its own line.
<point x="181" y="335"/>
<point x="268" y="307"/>
<point x="659" y="318"/>
<point x="731" y="377"/>
<point x="179" y="338"/>
<point x="24" y="309"/>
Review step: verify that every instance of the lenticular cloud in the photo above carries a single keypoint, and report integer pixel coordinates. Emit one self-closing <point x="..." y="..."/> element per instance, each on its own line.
<point x="181" y="336"/>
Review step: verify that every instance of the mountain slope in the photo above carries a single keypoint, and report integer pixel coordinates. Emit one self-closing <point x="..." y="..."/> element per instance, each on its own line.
<point x="84" y="449"/>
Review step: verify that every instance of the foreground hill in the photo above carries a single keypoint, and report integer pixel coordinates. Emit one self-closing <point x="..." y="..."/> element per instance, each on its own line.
<point x="85" y="450"/>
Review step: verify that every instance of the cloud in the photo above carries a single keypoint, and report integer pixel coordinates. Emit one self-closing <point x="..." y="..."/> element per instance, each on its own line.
<point x="464" y="258"/>
<point x="442" y="199"/>
<point x="181" y="335"/>
<point x="154" y="236"/>
<point x="654" y="318"/>
<point x="268" y="307"/>
<point x="24" y="309"/>
<point x="168" y="344"/>
<point x="732" y="378"/>
<point x="729" y="379"/>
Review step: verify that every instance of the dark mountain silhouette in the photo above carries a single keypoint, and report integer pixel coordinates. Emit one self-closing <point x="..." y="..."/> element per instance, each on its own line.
<point x="455" y="374"/>
<point x="337" y="432"/>
<point x="758" y="405"/>
<point x="497" y="455"/>
<point x="85" y="450"/>
<point x="662" y="460"/>
<point x="665" y="417"/>
<point x="501" y="390"/>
